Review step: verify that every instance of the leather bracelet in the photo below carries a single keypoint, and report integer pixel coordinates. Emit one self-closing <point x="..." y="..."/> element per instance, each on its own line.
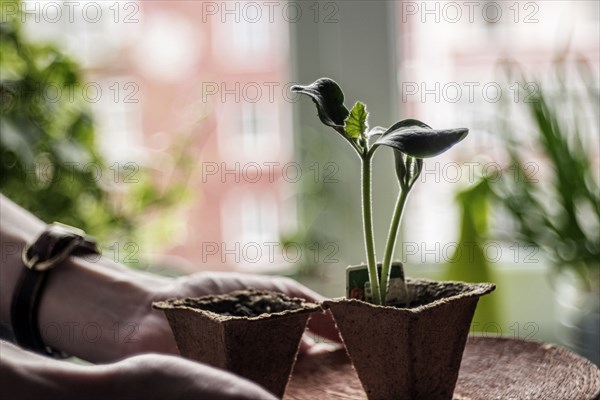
<point x="51" y="248"/>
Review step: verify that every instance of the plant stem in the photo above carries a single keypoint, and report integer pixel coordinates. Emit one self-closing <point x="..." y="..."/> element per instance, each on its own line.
<point x="368" y="229"/>
<point x="391" y="241"/>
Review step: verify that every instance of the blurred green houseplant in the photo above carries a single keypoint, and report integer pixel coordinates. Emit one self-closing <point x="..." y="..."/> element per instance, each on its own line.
<point x="468" y="263"/>
<point x="50" y="164"/>
<point x="559" y="213"/>
<point x="555" y="200"/>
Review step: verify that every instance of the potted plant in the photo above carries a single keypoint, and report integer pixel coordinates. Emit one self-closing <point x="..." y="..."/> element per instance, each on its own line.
<point x="255" y="334"/>
<point x="405" y="337"/>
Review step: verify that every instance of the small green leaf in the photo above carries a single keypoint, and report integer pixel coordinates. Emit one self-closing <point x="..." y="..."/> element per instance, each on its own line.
<point x="417" y="139"/>
<point x="408" y="169"/>
<point x="356" y="123"/>
<point x="400" y="162"/>
<point x="417" y="168"/>
<point x="329" y="99"/>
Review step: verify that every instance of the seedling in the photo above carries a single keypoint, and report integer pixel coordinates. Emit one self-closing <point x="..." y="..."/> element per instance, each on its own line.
<point x="411" y="141"/>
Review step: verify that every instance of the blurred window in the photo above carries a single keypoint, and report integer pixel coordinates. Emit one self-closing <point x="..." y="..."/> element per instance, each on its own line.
<point x="250" y="38"/>
<point x="249" y="218"/>
<point x="119" y="120"/>
<point x="449" y="75"/>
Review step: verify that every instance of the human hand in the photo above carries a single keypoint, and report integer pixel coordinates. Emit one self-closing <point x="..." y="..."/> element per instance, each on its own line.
<point x="101" y="311"/>
<point x="26" y="375"/>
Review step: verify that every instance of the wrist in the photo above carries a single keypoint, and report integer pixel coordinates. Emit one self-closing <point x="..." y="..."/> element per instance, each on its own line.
<point x="90" y="310"/>
<point x="90" y="307"/>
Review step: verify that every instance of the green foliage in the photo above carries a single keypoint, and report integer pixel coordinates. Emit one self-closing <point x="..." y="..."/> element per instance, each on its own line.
<point x="408" y="169"/>
<point x="356" y="123"/>
<point x="560" y="213"/>
<point x="46" y="144"/>
<point x="49" y="161"/>
<point x="469" y="263"/>
<point x="418" y="140"/>
<point x="329" y="99"/>
<point x="411" y="141"/>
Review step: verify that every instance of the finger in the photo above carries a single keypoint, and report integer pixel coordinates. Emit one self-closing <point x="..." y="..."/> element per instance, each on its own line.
<point x="154" y="376"/>
<point x="224" y="282"/>
<point x="295" y="289"/>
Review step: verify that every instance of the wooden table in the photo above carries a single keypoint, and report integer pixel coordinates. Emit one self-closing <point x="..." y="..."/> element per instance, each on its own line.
<point x="491" y="369"/>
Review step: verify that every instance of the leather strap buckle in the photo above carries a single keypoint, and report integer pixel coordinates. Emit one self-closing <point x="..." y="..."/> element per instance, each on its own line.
<point x="52" y="247"/>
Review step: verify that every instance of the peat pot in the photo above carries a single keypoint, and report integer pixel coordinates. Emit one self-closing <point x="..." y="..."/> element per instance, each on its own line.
<point x="254" y="334"/>
<point x="413" y="352"/>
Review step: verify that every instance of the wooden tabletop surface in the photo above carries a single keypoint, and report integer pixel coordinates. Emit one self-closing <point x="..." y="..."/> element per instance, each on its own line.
<point x="491" y="369"/>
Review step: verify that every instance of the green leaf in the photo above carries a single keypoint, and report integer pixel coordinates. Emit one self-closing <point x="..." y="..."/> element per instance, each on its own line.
<point x="417" y="139"/>
<point x="356" y="123"/>
<point x="416" y="171"/>
<point x="11" y="139"/>
<point x="329" y="99"/>
<point x="400" y="162"/>
<point x="408" y="169"/>
<point x="376" y="131"/>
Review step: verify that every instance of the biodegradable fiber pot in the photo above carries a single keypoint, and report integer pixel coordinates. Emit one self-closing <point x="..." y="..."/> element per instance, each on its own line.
<point x="255" y="334"/>
<point x="414" y="352"/>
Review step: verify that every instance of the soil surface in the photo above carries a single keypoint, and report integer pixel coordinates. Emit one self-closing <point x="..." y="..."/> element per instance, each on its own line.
<point x="246" y="303"/>
<point x="423" y="292"/>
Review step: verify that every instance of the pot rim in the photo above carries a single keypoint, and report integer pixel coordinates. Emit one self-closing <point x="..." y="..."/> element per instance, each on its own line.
<point x="474" y="290"/>
<point x="176" y="304"/>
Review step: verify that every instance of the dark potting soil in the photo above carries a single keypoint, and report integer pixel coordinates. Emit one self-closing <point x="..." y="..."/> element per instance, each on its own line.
<point x="246" y="303"/>
<point x="426" y="292"/>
